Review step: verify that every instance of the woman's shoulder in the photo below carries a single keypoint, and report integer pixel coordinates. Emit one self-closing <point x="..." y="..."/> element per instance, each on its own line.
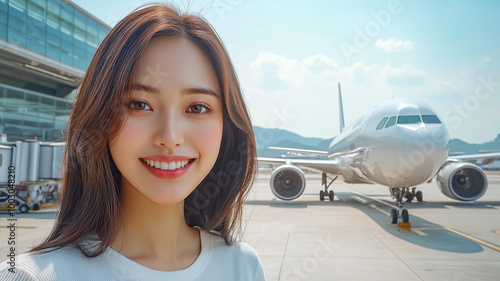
<point x="51" y="265"/>
<point x="237" y="249"/>
<point x="239" y="259"/>
<point x="32" y="266"/>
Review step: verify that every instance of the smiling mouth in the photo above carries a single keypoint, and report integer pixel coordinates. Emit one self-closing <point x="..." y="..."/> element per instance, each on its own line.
<point x="168" y="166"/>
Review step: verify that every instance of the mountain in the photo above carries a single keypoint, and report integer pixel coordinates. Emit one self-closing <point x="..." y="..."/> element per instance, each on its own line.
<point x="283" y="138"/>
<point x="459" y="146"/>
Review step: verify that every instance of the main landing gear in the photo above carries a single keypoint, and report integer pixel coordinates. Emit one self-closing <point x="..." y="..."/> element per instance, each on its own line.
<point x="401" y="214"/>
<point x="323" y="193"/>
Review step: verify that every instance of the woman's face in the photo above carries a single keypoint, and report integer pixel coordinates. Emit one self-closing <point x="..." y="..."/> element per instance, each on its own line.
<point x="173" y="127"/>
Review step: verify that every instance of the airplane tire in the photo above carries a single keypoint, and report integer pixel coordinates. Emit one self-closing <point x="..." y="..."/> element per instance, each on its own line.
<point x="419" y="196"/>
<point x="405" y="215"/>
<point x="331" y="195"/>
<point x="394" y="216"/>
<point x="321" y="195"/>
<point x="409" y="197"/>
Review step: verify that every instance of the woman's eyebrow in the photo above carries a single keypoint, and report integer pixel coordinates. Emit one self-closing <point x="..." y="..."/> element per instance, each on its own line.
<point x="188" y="91"/>
<point x="144" y="88"/>
<point x="203" y="91"/>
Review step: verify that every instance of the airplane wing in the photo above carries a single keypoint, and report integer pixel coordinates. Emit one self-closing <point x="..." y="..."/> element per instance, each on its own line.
<point x="328" y="166"/>
<point x="299" y="150"/>
<point x="487" y="158"/>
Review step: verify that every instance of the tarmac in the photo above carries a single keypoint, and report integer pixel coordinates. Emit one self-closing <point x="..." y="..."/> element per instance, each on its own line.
<point x="350" y="238"/>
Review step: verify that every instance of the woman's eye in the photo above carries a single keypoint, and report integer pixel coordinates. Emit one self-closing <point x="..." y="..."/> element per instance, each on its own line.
<point x="199" y="108"/>
<point x="139" y="105"/>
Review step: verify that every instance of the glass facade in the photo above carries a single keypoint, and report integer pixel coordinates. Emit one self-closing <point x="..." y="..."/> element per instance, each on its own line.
<point x="26" y="114"/>
<point x="57" y="30"/>
<point x="52" y="28"/>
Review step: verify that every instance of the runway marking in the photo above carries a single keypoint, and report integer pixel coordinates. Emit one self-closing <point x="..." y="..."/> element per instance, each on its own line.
<point x="494" y="247"/>
<point x="363" y="201"/>
<point x="421" y="233"/>
<point x="374" y="199"/>
<point x="359" y="199"/>
<point x="380" y="210"/>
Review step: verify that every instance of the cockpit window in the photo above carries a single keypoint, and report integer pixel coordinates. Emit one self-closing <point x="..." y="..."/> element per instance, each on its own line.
<point x="431" y="119"/>
<point x="382" y="123"/>
<point x="409" y="119"/>
<point x="391" y="122"/>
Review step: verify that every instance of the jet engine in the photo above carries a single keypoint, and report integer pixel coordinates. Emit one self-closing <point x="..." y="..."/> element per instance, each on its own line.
<point x="288" y="182"/>
<point x="462" y="181"/>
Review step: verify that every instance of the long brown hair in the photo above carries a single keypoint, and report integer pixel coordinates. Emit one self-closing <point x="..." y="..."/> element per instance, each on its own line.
<point x="91" y="181"/>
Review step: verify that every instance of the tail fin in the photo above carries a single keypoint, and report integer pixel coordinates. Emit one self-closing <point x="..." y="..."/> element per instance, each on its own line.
<point x="341" y="111"/>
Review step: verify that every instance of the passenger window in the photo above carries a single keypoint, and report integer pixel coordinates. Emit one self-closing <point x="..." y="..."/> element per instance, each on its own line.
<point x="431" y="119"/>
<point x="391" y="121"/>
<point x="382" y="123"/>
<point x="409" y="119"/>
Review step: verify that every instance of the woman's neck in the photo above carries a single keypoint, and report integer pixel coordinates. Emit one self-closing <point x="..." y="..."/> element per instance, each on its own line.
<point x="155" y="235"/>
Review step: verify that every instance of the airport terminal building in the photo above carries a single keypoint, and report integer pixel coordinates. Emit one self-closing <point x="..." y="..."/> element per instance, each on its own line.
<point x="45" y="48"/>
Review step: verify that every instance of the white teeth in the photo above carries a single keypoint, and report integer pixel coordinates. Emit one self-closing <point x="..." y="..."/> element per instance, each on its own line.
<point x="166" y="165"/>
<point x="171" y="166"/>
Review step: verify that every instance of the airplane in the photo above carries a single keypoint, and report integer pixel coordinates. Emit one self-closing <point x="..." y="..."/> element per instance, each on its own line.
<point x="400" y="143"/>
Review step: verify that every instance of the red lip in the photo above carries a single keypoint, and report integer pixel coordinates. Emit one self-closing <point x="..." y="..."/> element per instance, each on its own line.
<point x="167" y="158"/>
<point x="168" y="174"/>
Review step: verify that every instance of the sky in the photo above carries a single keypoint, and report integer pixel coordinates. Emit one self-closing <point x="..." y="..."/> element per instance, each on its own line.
<point x="290" y="55"/>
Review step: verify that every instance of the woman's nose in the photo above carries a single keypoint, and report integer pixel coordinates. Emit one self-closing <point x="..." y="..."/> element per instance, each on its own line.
<point x="169" y="132"/>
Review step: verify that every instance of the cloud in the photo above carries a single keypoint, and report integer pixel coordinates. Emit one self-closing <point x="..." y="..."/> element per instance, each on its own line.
<point x="486" y="59"/>
<point x="393" y="45"/>
<point x="362" y="74"/>
<point x="319" y="63"/>
<point x="276" y="72"/>
<point x="406" y="75"/>
<point x="272" y="72"/>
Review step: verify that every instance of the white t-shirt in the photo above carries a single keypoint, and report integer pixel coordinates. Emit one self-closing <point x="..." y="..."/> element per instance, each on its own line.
<point x="217" y="261"/>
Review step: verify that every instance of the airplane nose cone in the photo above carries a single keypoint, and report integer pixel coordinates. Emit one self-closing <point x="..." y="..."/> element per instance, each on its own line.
<point x="423" y="156"/>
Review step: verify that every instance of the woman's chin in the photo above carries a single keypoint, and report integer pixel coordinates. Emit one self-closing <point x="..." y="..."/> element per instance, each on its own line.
<point x="167" y="198"/>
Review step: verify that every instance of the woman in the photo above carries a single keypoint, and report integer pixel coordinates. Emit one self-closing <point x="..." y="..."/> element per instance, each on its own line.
<point x="159" y="158"/>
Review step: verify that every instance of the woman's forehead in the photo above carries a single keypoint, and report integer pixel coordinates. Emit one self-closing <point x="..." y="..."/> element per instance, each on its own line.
<point x="174" y="59"/>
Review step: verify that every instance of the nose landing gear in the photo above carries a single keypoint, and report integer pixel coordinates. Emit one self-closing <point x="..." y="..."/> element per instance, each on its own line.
<point x="400" y="214"/>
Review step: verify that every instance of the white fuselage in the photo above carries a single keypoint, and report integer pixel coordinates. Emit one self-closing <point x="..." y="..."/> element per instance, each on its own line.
<point x="399" y="143"/>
